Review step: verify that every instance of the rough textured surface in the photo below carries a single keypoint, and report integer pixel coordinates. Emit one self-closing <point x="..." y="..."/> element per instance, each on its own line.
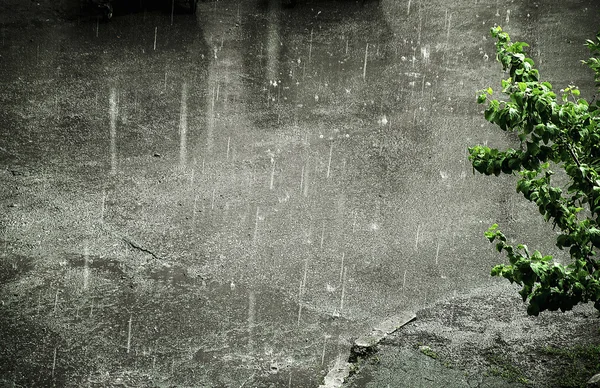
<point x="484" y="338"/>
<point x="242" y="191"/>
<point x="337" y="375"/>
<point x="381" y="330"/>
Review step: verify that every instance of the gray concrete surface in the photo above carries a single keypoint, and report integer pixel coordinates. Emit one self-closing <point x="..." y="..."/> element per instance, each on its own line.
<point x="251" y="188"/>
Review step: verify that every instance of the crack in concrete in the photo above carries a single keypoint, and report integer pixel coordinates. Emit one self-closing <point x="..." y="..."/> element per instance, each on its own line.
<point x="140" y="248"/>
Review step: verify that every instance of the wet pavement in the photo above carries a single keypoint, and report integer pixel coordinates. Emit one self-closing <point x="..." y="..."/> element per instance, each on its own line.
<point x="229" y="198"/>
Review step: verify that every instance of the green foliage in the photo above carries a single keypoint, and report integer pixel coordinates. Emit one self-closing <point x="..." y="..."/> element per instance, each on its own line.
<point x="563" y="132"/>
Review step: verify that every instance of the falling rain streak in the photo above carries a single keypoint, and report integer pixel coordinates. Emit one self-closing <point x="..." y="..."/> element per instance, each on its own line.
<point x="112" y="109"/>
<point x="272" y="174"/>
<point x="302" y="290"/>
<point x="364" y="76"/>
<point x="102" y="206"/>
<point x="251" y="318"/>
<point x="305" y="180"/>
<point x="155" y="35"/>
<point x="329" y="161"/>
<point x="343" y="291"/>
<point x="183" y="127"/>
<point x="86" y="268"/>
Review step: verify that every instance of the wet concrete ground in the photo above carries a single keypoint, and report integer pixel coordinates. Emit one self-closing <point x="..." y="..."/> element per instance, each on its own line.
<point x="227" y="199"/>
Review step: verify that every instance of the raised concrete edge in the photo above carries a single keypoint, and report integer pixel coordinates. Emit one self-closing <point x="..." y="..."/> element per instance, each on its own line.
<point x="365" y="345"/>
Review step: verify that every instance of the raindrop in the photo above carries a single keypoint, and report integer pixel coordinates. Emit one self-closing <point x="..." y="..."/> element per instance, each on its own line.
<point x="183" y="127"/>
<point x="155" y="33"/>
<point x="417" y="238"/>
<point x="256" y="225"/>
<point x="251" y="317"/>
<point x="365" y="64"/>
<point x="329" y="162"/>
<point x="272" y="174"/>
<point x="310" y="46"/>
<point x="343" y="290"/>
<point x="86" y="268"/>
<point x="113" y="130"/>
<point x="425" y="54"/>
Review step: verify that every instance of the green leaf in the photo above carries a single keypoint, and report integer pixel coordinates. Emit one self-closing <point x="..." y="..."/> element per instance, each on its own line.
<point x="490" y="114"/>
<point x="540" y="270"/>
<point x="514" y="163"/>
<point x="499" y="246"/>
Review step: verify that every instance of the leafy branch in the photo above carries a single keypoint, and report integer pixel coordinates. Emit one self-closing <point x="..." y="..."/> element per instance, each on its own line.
<point x="564" y="133"/>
